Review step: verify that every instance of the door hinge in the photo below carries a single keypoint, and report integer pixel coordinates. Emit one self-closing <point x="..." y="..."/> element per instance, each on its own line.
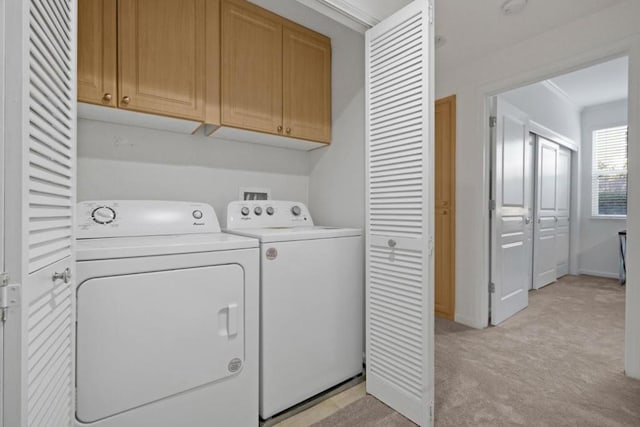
<point x="9" y="296"/>
<point x="492" y="205"/>
<point x="493" y="121"/>
<point x="492" y="288"/>
<point x="430" y="13"/>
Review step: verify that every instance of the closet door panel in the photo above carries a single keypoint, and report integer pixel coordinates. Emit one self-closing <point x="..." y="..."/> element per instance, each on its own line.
<point x="399" y="219"/>
<point x="545" y="237"/>
<point x="563" y="213"/>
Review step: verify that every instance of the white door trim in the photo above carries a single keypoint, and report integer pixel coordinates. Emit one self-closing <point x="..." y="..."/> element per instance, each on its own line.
<point x="2" y="183"/>
<point x="628" y="47"/>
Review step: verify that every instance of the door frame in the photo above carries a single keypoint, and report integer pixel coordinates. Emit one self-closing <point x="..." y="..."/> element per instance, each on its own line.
<point x="482" y="101"/>
<point x="2" y="202"/>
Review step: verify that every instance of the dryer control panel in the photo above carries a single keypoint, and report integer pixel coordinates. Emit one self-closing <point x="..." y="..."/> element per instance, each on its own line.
<point x="267" y="214"/>
<point x="129" y="218"/>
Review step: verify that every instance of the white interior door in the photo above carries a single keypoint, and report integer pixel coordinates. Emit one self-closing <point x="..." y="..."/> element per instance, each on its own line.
<point x="511" y="219"/>
<point x="399" y="225"/>
<point x="545" y="262"/>
<point x="563" y="213"/>
<point x="40" y="164"/>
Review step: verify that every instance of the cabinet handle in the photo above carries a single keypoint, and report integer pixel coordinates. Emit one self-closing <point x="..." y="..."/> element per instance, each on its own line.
<point x="279" y="128"/>
<point x="107" y="97"/>
<point x="288" y="130"/>
<point x="126" y="100"/>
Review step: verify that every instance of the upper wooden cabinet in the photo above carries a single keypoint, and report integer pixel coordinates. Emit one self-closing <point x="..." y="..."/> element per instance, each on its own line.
<point x="160" y="55"/>
<point x="227" y="63"/>
<point x="251" y="68"/>
<point x="97" y="52"/>
<point x="161" y="48"/>
<point x="276" y="75"/>
<point x="306" y="84"/>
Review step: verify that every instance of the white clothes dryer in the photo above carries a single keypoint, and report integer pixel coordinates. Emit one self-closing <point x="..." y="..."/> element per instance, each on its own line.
<point x="167" y="317"/>
<point x="311" y="301"/>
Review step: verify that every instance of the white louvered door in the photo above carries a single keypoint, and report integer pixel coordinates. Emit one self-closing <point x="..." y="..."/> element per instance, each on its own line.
<point x="399" y="186"/>
<point x="40" y="174"/>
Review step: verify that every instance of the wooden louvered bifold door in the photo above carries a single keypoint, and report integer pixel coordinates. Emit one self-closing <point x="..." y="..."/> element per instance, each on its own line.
<point x="399" y="221"/>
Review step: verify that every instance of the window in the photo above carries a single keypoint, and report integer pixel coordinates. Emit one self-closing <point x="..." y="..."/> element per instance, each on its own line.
<point x="609" y="173"/>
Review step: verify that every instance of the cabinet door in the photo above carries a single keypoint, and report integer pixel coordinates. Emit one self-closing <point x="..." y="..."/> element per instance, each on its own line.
<point x="307" y="84"/>
<point x="161" y="57"/>
<point x="251" y="68"/>
<point x="97" y="52"/>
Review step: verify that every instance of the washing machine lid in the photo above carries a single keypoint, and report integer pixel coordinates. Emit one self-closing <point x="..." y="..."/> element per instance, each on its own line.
<point x="286" y="234"/>
<point x="131" y="247"/>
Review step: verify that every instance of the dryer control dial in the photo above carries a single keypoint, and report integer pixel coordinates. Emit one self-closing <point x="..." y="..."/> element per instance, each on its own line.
<point x="245" y="211"/>
<point x="296" y="211"/>
<point x="103" y="215"/>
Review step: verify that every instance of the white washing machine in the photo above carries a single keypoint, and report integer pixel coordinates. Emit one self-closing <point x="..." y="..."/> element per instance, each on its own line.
<point x="311" y="301"/>
<point x="167" y="317"/>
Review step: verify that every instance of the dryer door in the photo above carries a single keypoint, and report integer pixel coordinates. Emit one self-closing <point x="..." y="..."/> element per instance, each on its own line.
<point x="144" y="337"/>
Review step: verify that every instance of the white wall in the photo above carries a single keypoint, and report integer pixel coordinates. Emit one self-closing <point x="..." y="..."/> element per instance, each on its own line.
<point x="129" y="162"/>
<point x="554" y="52"/>
<point x="598" y="236"/>
<point x="336" y="182"/>
<point x="547" y="108"/>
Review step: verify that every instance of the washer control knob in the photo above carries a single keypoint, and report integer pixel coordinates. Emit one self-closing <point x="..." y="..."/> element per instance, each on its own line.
<point x="103" y="215"/>
<point x="296" y="211"/>
<point x="258" y="210"/>
<point x="270" y="211"/>
<point x="245" y="211"/>
<point x="197" y="214"/>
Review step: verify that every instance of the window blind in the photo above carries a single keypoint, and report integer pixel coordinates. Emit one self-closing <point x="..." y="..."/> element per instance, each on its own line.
<point x="609" y="172"/>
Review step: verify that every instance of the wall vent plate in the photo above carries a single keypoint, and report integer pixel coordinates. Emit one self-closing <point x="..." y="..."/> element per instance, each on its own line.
<point x="254" y="193"/>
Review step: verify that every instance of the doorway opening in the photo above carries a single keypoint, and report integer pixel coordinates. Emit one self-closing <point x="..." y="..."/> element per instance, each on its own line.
<point x="558" y="182"/>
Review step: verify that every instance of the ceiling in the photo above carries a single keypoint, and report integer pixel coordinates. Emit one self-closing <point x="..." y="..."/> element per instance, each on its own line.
<point x="468" y="29"/>
<point x="475" y="28"/>
<point x="595" y="85"/>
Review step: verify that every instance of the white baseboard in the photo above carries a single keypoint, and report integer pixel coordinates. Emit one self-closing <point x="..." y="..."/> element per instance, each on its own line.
<point x="606" y="274"/>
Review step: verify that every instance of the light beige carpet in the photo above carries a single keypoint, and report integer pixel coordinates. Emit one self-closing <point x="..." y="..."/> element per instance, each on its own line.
<point x="557" y="363"/>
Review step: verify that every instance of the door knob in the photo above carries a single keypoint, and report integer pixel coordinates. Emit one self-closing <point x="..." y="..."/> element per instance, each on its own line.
<point x="392" y="243"/>
<point x="107" y="97"/>
<point x="65" y="276"/>
<point x="126" y="100"/>
<point x="527" y="220"/>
